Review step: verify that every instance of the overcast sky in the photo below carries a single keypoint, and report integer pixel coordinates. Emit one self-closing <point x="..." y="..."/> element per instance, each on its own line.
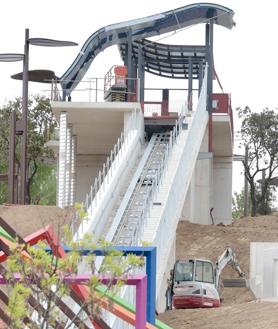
<point x="245" y="56"/>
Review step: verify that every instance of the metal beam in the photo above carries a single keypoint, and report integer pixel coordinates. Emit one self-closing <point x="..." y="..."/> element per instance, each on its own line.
<point x="190" y="84"/>
<point x="129" y="63"/>
<point x="201" y="74"/>
<point x="141" y="73"/>
<point x="209" y="59"/>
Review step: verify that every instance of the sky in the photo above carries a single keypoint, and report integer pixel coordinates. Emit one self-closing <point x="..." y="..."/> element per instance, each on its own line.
<point x="245" y="56"/>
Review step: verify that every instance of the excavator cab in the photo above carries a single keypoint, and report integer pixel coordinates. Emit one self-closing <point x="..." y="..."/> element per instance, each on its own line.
<point x="195" y="282"/>
<point x="193" y="270"/>
<point x="192" y="285"/>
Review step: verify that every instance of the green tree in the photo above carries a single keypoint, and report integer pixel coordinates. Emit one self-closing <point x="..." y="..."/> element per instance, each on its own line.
<point x="260" y="134"/>
<point x="238" y="205"/>
<point x="41" y="125"/>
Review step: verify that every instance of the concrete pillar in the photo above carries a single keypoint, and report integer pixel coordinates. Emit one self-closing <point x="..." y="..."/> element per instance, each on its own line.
<point x="222" y="189"/>
<point x="203" y="190"/>
<point x="62" y="160"/>
<point x="199" y="199"/>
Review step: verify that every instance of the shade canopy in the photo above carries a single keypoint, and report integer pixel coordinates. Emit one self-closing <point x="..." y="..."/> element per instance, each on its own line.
<point x="11" y="57"/>
<point x="171" y="61"/>
<point x="142" y="28"/>
<point x="43" y="76"/>
<point x="42" y="42"/>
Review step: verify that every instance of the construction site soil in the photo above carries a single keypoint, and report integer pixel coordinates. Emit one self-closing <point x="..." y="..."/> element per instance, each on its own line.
<point x="239" y="308"/>
<point x="29" y="219"/>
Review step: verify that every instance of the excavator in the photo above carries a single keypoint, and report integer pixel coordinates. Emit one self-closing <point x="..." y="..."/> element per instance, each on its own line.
<point x="195" y="283"/>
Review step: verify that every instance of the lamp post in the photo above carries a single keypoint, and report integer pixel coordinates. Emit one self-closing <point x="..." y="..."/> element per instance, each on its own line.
<point x="9" y="57"/>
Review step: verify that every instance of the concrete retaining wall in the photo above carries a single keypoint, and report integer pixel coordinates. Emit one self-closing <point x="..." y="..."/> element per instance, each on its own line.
<point x="264" y="269"/>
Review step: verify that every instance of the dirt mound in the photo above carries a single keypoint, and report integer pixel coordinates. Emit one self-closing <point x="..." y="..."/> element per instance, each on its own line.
<point x="202" y="241"/>
<point x="252" y="315"/>
<point x="29" y="219"/>
<point x="239" y="309"/>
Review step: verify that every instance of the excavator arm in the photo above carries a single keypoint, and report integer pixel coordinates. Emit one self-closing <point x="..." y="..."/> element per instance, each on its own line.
<point x="227" y="258"/>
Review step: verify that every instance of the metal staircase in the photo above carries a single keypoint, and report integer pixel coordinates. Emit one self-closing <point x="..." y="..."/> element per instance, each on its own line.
<point x="130" y="229"/>
<point x="128" y="177"/>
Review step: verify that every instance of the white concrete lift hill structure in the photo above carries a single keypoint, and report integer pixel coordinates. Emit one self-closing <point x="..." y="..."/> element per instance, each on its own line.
<point x="141" y="166"/>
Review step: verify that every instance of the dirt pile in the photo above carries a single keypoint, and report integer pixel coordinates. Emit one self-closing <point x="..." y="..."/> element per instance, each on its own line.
<point x="239" y="309"/>
<point x="29" y="219"/>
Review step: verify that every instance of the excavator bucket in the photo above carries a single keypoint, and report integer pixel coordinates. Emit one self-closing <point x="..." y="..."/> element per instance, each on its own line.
<point x="235" y="283"/>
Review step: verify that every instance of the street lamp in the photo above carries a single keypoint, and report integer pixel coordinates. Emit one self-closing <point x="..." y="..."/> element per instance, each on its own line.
<point x="9" y="57"/>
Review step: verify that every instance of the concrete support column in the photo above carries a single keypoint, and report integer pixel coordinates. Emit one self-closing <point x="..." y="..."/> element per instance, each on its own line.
<point x="222" y="189"/>
<point x="62" y="160"/>
<point x="73" y="170"/>
<point x="199" y="199"/>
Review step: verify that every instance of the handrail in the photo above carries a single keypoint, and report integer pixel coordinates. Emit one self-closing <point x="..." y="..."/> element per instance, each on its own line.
<point x="96" y="88"/>
<point x="155" y="108"/>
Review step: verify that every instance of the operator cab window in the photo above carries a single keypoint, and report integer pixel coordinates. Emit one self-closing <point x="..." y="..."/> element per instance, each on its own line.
<point x="184" y="271"/>
<point x="204" y="272"/>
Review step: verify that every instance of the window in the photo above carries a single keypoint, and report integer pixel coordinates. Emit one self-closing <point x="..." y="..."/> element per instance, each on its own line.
<point x="184" y="271"/>
<point x="204" y="272"/>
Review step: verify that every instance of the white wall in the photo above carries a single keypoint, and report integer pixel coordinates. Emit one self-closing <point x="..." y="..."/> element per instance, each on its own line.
<point x="264" y="269"/>
<point x="161" y="301"/>
<point x="87" y="168"/>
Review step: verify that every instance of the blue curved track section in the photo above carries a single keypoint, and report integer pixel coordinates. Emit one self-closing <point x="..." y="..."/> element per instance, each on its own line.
<point x="142" y="28"/>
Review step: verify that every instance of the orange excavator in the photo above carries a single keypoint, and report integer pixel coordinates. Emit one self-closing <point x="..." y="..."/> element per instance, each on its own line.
<point x="195" y="283"/>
